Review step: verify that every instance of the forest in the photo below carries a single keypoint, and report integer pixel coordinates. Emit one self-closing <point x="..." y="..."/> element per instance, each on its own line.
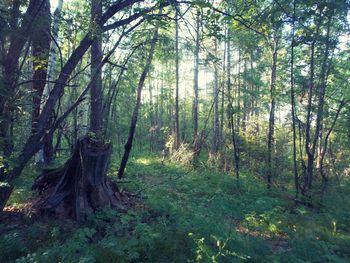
<point x="174" y="131"/>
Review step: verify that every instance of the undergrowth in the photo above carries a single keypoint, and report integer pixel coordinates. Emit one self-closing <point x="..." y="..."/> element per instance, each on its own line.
<point x="187" y="215"/>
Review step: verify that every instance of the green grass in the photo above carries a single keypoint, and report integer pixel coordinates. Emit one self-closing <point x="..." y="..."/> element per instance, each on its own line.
<point x="186" y="215"/>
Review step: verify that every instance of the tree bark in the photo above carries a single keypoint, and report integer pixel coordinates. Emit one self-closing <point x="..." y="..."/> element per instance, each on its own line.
<point x="271" y="134"/>
<point x="310" y="146"/>
<point x="17" y="39"/>
<point x="47" y="153"/>
<point x="230" y="110"/>
<point x="80" y="186"/>
<point x="238" y="91"/>
<point x="321" y="94"/>
<point x="96" y="114"/>
<point x="292" y="98"/>
<point x="216" y="131"/>
<point x="310" y="158"/>
<point x="223" y="82"/>
<point x="135" y="113"/>
<point x="40" y="50"/>
<point x="245" y="98"/>
<point x="177" y="123"/>
<point x="195" y="82"/>
<point x="152" y="130"/>
<point x="324" y="150"/>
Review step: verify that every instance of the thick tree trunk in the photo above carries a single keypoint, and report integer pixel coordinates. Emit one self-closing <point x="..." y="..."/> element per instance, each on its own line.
<point x="40" y="51"/>
<point x="96" y="114"/>
<point x="40" y="48"/>
<point x="81" y="186"/>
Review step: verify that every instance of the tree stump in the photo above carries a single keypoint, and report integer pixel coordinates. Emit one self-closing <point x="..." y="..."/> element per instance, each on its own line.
<point x="81" y="185"/>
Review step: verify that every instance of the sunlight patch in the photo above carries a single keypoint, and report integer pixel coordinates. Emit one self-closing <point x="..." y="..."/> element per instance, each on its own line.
<point x="143" y="161"/>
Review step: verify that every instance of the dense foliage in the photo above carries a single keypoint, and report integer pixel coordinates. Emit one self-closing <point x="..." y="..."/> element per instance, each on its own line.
<point x="229" y="121"/>
<point x="191" y="215"/>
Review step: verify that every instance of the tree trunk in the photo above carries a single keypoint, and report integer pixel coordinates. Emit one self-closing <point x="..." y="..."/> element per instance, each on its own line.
<point x="324" y="150"/>
<point x="216" y="139"/>
<point x="223" y="94"/>
<point x="292" y="97"/>
<point x="195" y="82"/>
<point x="271" y="134"/>
<point x="96" y="114"/>
<point x="80" y="186"/>
<point x="245" y="98"/>
<point x="230" y="110"/>
<point x="310" y="158"/>
<point x="46" y="154"/>
<point x="310" y="146"/>
<point x="152" y="130"/>
<point x="177" y="124"/>
<point x="17" y="40"/>
<point x="321" y="94"/>
<point x="40" y="49"/>
<point x="135" y="114"/>
<point x="238" y="98"/>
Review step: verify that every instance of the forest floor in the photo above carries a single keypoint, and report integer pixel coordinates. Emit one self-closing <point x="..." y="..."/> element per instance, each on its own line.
<point x="179" y="214"/>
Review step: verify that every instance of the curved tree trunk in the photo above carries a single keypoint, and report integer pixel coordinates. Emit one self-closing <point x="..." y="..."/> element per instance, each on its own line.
<point x="135" y="113"/>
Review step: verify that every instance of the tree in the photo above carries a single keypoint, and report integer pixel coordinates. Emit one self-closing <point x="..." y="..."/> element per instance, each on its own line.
<point x="32" y="145"/>
<point x="292" y="101"/>
<point x="96" y="117"/>
<point x="48" y="150"/>
<point x="230" y="111"/>
<point x="216" y="131"/>
<point x="40" y="49"/>
<point x="195" y="81"/>
<point x="19" y="30"/>
<point x="177" y="123"/>
<point x="270" y="143"/>
<point x="135" y="113"/>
